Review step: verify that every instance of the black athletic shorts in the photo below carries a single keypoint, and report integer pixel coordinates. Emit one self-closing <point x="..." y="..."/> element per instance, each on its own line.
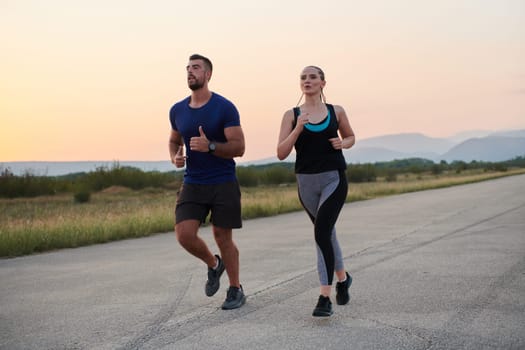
<point x="195" y="202"/>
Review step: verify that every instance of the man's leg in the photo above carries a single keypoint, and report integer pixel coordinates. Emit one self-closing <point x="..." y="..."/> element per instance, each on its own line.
<point x="235" y="297"/>
<point x="186" y="232"/>
<point x="229" y="253"/>
<point x="187" y="236"/>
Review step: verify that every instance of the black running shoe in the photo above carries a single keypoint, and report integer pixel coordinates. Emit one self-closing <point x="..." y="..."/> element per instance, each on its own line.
<point x="214" y="278"/>
<point x="343" y="297"/>
<point x="235" y="298"/>
<point x="323" y="308"/>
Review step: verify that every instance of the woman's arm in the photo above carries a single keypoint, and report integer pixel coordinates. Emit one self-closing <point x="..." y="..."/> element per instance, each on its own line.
<point x="347" y="139"/>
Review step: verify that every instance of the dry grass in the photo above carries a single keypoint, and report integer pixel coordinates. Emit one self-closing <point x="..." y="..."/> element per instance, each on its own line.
<point x="54" y="222"/>
<point x="412" y="183"/>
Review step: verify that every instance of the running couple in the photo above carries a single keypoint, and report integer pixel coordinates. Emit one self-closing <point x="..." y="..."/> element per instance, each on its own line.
<point x="208" y="126"/>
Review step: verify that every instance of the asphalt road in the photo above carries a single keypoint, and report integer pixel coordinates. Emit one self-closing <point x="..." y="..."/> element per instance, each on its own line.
<point x="439" y="269"/>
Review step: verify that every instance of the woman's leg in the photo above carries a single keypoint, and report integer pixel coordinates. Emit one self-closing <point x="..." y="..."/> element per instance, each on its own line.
<point x="323" y="208"/>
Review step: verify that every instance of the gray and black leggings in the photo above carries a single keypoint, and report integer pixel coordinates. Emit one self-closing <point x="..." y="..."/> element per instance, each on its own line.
<point x="323" y="196"/>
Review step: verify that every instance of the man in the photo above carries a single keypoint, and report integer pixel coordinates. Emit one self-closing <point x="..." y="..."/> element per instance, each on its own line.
<point x="208" y="126"/>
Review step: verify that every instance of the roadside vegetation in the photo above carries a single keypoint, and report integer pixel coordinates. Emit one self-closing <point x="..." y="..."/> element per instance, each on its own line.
<point x="39" y="213"/>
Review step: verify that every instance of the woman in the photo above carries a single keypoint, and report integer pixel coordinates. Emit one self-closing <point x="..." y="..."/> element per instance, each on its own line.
<point x="319" y="132"/>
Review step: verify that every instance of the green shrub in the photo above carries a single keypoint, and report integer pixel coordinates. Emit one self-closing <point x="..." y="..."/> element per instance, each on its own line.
<point x="361" y="173"/>
<point x="27" y="185"/>
<point x="134" y="178"/>
<point x="82" y="196"/>
<point x="437" y="169"/>
<point x="391" y="175"/>
<point x="279" y="174"/>
<point x="247" y="177"/>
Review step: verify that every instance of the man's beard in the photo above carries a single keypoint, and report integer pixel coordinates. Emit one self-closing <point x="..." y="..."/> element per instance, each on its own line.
<point x="196" y="85"/>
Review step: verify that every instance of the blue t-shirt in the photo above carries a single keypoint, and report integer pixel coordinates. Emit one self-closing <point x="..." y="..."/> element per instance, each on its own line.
<point x="216" y="115"/>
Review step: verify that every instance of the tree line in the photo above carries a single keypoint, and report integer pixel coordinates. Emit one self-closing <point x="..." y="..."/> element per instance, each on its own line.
<point x="83" y="184"/>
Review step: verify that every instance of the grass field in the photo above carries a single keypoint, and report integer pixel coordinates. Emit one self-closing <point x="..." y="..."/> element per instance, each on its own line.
<point x="53" y="222"/>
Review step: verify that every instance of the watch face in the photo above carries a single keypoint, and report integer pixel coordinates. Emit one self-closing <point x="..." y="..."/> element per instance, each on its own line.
<point x="211" y="147"/>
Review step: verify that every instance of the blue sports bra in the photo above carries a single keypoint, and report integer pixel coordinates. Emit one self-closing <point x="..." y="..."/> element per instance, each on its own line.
<point x="319" y="126"/>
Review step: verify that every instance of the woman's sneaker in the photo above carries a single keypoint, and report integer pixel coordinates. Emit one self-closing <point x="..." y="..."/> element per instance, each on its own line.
<point x="323" y="308"/>
<point x="343" y="297"/>
<point x="214" y="278"/>
<point x="235" y="298"/>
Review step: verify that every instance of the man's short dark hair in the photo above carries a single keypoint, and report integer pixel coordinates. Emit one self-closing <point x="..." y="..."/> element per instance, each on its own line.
<point x="206" y="60"/>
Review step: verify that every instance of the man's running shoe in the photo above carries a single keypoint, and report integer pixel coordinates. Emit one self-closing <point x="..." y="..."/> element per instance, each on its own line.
<point x="214" y="278"/>
<point x="235" y="298"/>
<point x="343" y="297"/>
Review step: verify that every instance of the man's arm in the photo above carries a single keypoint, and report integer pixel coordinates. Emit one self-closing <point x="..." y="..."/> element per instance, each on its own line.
<point x="233" y="147"/>
<point x="176" y="147"/>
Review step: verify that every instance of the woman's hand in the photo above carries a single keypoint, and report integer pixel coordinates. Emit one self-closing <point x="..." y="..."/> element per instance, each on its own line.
<point x="336" y="142"/>
<point x="302" y="119"/>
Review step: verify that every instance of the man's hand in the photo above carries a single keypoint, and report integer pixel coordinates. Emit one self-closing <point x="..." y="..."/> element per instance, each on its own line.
<point x="180" y="158"/>
<point x="199" y="143"/>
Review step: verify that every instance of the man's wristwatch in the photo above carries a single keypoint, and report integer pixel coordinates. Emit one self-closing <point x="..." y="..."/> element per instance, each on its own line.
<point x="211" y="147"/>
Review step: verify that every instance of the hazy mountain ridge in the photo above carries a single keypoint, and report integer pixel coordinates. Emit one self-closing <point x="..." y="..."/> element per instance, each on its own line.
<point x="467" y="146"/>
<point x="491" y="147"/>
<point x="407" y="143"/>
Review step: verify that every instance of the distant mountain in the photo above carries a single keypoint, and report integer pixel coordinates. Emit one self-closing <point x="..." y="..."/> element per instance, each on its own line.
<point x="407" y="143"/>
<point x="489" y="149"/>
<point x="370" y="154"/>
<point x="470" y="134"/>
<point x="509" y="133"/>
<point x="377" y="154"/>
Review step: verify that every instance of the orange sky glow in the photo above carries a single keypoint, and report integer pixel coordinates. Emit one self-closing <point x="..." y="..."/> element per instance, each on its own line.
<point x="95" y="80"/>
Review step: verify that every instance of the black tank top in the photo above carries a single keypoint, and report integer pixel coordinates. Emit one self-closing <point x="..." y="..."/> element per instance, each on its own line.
<point x="314" y="153"/>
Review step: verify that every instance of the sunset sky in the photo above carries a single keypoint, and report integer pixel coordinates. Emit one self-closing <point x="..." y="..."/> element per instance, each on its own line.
<point x="94" y="80"/>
